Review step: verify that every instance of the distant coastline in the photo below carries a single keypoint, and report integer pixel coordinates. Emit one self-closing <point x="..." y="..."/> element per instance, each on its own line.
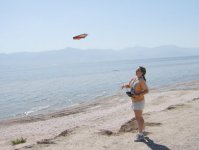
<point x="95" y="55"/>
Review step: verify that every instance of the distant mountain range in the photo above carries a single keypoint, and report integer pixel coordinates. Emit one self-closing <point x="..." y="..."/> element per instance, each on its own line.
<point x="91" y="55"/>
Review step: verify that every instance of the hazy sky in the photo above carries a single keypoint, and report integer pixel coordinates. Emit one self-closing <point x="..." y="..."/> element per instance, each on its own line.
<point x="38" y="25"/>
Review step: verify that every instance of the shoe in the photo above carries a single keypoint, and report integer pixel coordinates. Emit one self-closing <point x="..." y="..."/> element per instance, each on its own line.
<point x="139" y="138"/>
<point x="144" y="133"/>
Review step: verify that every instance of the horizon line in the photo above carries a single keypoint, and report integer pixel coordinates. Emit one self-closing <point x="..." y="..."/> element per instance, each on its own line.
<point x="110" y="49"/>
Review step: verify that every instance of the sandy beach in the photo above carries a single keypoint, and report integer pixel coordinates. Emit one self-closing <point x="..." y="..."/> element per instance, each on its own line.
<point x="171" y="115"/>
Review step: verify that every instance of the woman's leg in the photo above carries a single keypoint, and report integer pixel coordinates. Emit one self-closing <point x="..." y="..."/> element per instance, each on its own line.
<point x="142" y="123"/>
<point x="139" y="119"/>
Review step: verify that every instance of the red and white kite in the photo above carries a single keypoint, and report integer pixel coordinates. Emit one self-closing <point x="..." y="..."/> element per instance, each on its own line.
<point x="79" y="37"/>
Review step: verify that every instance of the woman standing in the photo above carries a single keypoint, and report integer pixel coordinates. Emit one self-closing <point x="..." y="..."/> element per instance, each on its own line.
<point x="138" y="88"/>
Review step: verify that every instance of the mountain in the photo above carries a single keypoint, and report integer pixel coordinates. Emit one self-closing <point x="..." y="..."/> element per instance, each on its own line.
<point x="91" y="55"/>
<point x="162" y="51"/>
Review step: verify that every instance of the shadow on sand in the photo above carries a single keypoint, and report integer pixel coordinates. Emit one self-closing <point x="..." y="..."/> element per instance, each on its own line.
<point x="154" y="146"/>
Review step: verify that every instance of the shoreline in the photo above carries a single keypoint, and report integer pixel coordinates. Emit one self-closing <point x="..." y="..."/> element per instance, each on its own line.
<point x="81" y="107"/>
<point x="74" y="109"/>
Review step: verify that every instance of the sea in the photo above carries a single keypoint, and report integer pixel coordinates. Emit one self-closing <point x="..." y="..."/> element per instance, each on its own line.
<point x="31" y="89"/>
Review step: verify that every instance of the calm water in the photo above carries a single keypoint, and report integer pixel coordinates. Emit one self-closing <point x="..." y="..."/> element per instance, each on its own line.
<point x="34" y="88"/>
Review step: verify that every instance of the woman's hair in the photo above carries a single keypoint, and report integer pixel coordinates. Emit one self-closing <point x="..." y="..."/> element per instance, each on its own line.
<point x="143" y="70"/>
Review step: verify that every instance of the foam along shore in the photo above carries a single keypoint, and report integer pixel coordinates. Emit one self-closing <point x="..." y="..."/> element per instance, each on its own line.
<point x="171" y="116"/>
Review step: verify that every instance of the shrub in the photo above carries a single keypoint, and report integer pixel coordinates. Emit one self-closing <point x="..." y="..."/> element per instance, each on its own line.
<point x="18" y="141"/>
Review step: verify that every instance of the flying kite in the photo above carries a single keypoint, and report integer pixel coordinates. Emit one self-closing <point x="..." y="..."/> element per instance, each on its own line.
<point x="79" y="37"/>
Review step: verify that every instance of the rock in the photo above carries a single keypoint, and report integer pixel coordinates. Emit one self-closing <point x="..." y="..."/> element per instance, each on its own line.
<point x="130" y="126"/>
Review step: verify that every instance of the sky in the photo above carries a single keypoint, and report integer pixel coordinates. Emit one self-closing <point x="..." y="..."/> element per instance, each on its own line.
<point x="41" y="25"/>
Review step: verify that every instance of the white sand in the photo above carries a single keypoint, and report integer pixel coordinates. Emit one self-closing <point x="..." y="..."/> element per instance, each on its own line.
<point x="174" y="128"/>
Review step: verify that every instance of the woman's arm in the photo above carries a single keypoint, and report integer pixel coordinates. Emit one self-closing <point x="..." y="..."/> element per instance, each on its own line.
<point x="125" y="86"/>
<point x="129" y="84"/>
<point x="133" y="79"/>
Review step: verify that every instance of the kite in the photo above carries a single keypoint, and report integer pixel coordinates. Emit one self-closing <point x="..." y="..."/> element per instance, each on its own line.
<point x="79" y="37"/>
